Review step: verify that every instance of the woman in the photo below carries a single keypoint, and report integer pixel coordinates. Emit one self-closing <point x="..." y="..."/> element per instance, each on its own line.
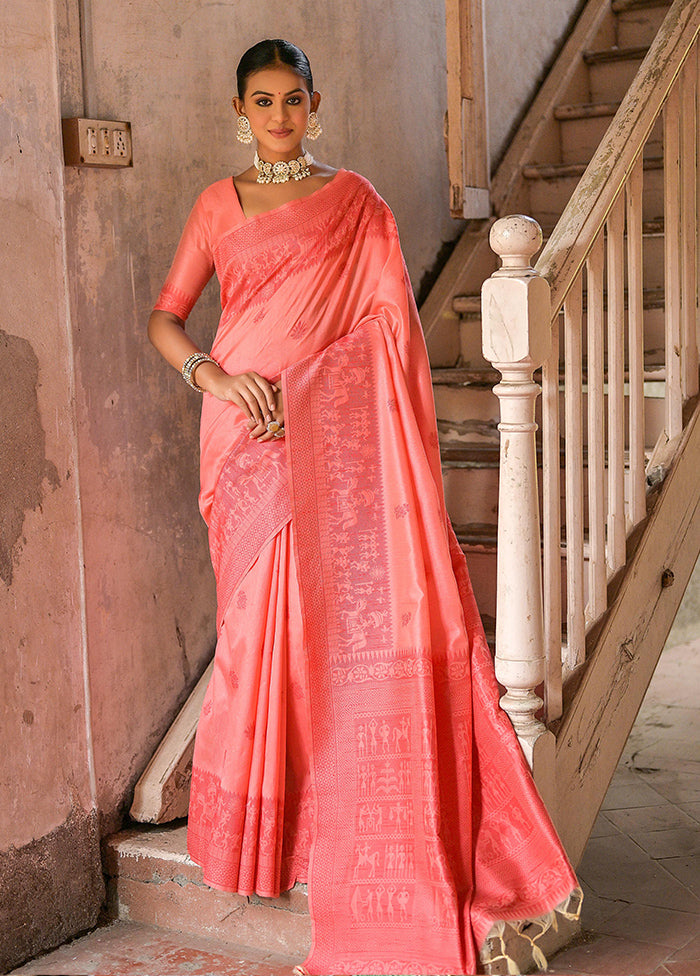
<point x="351" y="734"/>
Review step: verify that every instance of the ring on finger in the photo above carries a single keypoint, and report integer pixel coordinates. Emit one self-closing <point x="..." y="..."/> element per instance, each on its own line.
<point x="273" y="427"/>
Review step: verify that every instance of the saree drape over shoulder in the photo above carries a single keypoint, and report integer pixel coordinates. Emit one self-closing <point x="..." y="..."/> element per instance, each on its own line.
<point x="351" y="734"/>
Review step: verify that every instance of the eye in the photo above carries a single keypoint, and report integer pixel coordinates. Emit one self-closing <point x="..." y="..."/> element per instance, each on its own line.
<point x="294" y="100"/>
<point x="263" y="102"/>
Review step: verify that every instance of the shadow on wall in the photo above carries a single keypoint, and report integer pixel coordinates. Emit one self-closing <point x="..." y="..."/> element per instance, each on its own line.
<point x="22" y="448"/>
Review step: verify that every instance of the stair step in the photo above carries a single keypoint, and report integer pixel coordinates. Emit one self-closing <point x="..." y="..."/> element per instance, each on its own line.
<point x="460" y="455"/>
<point x="583" y="126"/>
<point x="481" y="534"/>
<point x="620" y="6"/>
<point x="467" y="305"/>
<point x="151" y="879"/>
<point x="585" y="110"/>
<point x="558" y="171"/>
<point x="639" y="24"/>
<point x="614" y="54"/>
<point x="462" y="376"/>
<point x="651" y="298"/>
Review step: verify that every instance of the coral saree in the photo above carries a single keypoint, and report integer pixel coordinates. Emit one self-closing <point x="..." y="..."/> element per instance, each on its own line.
<point x="351" y="734"/>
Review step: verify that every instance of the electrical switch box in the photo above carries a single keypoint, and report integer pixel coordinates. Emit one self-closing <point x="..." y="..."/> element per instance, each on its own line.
<point x="95" y="142"/>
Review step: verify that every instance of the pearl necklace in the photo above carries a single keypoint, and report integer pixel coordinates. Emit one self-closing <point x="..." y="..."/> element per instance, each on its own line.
<point x="281" y="171"/>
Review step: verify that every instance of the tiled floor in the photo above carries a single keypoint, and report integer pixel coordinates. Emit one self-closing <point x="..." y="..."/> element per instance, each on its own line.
<point x="640" y="871"/>
<point x="641" y="868"/>
<point x="126" y="949"/>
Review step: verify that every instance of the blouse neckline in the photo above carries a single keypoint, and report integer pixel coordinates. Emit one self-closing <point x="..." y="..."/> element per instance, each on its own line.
<point x="283" y="206"/>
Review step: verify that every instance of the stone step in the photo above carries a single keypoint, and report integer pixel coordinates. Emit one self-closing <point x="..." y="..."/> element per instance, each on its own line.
<point x="585" y="110"/>
<point x="150" y="876"/>
<point x="462" y="377"/>
<point x="151" y="880"/>
<point x="134" y="949"/>
<point x="469" y="306"/>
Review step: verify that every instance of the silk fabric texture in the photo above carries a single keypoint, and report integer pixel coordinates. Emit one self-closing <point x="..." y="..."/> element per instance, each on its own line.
<point x="351" y="734"/>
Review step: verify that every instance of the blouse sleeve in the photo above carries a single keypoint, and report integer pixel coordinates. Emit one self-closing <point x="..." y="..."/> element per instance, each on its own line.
<point x="192" y="266"/>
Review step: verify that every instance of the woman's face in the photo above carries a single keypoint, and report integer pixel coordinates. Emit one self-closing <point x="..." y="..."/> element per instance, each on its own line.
<point x="277" y="103"/>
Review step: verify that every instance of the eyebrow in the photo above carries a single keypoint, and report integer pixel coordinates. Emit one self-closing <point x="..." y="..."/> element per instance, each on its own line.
<point x="270" y="94"/>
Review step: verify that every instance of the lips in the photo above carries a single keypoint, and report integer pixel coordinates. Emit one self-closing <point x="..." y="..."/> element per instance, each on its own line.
<point x="280" y="133"/>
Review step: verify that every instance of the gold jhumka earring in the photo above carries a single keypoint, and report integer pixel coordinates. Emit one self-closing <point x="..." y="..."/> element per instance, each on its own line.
<point x="313" y="127"/>
<point x="244" y="133"/>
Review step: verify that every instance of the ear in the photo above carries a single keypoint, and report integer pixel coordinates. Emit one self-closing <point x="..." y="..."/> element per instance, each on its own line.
<point x="238" y="105"/>
<point x="315" y="101"/>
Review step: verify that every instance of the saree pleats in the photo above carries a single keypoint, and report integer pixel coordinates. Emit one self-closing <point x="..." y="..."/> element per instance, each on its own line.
<point x="251" y="811"/>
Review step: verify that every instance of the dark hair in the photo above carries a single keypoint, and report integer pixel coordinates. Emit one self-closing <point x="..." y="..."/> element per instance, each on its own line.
<point x="266" y="54"/>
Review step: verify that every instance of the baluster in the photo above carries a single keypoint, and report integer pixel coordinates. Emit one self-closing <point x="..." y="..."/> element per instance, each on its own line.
<point x="672" y="286"/>
<point x="516" y="339"/>
<point x="616" y="386"/>
<point x="551" y="506"/>
<point x="573" y="429"/>
<point x="688" y="83"/>
<point x="635" y="302"/>
<point x="597" y="571"/>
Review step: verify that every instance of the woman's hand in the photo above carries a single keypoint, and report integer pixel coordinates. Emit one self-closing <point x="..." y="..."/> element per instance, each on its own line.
<point x="260" y="431"/>
<point x="259" y="400"/>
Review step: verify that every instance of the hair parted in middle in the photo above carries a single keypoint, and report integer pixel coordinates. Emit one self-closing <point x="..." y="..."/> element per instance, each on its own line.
<point x="267" y="54"/>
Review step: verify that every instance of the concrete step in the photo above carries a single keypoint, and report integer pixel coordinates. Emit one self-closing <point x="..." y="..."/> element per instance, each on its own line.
<point x="612" y="70"/>
<point x="151" y="880"/>
<point x="165" y="920"/>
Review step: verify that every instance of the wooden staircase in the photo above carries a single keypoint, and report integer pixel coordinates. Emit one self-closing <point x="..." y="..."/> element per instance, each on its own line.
<point x="605" y="161"/>
<point x="583" y="99"/>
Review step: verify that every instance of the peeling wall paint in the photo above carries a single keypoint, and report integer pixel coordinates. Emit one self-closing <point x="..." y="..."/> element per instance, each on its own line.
<point x="22" y="448"/>
<point x="50" y="879"/>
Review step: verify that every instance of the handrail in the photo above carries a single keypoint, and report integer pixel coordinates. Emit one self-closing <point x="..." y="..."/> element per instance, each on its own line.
<point x="595" y="266"/>
<point x="586" y="212"/>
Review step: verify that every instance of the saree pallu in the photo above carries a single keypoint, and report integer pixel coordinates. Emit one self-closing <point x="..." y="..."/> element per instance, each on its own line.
<point x="351" y="734"/>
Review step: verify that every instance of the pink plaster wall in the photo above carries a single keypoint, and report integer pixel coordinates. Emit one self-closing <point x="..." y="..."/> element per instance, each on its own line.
<point x="45" y="765"/>
<point x="50" y="878"/>
<point x="170" y="70"/>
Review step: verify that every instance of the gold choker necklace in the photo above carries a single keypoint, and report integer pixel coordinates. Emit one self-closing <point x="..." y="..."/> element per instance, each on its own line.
<point x="282" y="172"/>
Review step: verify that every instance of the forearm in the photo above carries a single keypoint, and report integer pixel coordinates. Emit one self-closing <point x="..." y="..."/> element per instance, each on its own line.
<point x="258" y="399"/>
<point x="167" y="333"/>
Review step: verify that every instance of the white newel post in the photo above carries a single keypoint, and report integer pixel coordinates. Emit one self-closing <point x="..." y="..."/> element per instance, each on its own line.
<point x="515" y="307"/>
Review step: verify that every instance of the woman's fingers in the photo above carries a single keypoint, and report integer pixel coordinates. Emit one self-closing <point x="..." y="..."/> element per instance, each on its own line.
<point x="260" y="432"/>
<point x="257" y="399"/>
<point x="253" y="395"/>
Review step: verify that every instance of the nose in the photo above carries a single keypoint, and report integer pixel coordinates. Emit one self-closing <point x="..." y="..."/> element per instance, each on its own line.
<point x="279" y="112"/>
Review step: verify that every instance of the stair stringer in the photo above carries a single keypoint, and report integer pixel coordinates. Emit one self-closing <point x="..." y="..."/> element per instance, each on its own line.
<point x="600" y="716"/>
<point x="472" y="260"/>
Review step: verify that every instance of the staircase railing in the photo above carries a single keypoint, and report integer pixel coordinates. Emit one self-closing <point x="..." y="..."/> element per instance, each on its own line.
<point x="594" y="265"/>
